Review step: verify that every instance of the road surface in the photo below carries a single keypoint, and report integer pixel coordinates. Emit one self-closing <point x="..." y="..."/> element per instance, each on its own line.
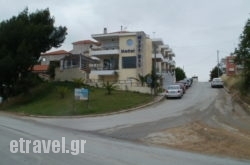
<point x="100" y="147"/>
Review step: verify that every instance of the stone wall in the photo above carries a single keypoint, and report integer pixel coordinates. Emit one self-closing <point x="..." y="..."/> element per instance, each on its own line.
<point x="69" y="74"/>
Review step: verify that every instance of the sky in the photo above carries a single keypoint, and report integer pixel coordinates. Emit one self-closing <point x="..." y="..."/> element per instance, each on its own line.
<point x="194" y="29"/>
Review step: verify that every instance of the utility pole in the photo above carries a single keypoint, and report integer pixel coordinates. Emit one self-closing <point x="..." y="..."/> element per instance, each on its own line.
<point x="218" y="70"/>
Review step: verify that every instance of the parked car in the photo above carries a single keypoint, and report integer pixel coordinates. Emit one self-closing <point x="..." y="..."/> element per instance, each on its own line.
<point x="184" y="82"/>
<point x="174" y="91"/>
<point x="183" y="87"/>
<point x="217" y="82"/>
<point x="189" y="81"/>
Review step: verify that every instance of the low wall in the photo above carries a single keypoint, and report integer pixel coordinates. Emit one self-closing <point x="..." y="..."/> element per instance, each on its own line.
<point x="69" y="74"/>
<point x="124" y="85"/>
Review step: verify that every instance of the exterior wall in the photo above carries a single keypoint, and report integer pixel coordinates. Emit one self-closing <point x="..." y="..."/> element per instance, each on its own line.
<point x="93" y="76"/>
<point x="126" y="73"/>
<point x="108" y="78"/>
<point x="80" y="49"/>
<point x="135" y="88"/>
<point x="147" y="63"/>
<point x="69" y="74"/>
<point x="47" y="58"/>
<point x="140" y="47"/>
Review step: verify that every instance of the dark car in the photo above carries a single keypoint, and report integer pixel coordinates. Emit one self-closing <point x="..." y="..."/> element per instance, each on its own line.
<point x="183" y="87"/>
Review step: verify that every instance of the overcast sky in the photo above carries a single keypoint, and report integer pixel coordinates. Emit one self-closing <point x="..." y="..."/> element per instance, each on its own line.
<point x="194" y="29"/>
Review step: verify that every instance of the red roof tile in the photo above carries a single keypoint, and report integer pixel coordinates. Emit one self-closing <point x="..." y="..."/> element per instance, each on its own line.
<point x="58" y="52"/>
<point x="40" y="68"/>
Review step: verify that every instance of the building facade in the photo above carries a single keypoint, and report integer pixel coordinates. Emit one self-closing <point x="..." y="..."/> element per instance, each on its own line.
<point x="116" y="57"/>
<point x="163" y="57"/>
<point x="123" y="56"/>
<point x="231" y="67"/>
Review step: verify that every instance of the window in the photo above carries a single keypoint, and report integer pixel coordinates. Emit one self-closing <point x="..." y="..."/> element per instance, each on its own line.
<point x="106" y="64"/>
<point x="129" y="62"/>
<point x="231" y="61"/>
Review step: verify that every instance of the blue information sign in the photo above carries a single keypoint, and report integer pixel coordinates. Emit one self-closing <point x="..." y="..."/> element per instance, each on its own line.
<point x="81" y="94"/>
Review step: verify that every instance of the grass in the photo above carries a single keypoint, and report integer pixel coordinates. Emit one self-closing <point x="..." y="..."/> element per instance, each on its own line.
<point x="235" y="86"/>
<point x="47" y="100"/>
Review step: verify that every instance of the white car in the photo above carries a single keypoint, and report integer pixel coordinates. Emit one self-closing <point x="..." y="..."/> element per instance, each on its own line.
<point x="174" y="91"/>
<point x="217" y="82"/>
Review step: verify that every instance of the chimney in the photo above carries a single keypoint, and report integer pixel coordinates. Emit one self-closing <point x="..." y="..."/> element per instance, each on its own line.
<point x="105" y="30"/>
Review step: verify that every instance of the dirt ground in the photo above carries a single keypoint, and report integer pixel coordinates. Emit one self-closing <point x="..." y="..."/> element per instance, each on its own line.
<point x="201" y="138"/>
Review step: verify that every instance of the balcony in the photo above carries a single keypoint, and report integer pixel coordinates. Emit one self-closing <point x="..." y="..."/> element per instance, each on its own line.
<point x="103" y="71"/>
<point x="103" y="51"/>
<point x="159" y="57"/>
<point x="172" y="62"/>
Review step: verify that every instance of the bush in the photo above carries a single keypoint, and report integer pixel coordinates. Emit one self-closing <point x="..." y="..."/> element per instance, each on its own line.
<point x="62" y="91"/>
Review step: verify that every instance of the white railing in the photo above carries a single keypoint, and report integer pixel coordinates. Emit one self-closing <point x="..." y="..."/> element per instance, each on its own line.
<point x="104" y="52"/>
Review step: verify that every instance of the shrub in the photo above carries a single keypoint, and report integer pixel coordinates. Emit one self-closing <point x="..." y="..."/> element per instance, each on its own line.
<point x="62" y="91"/>
<point x="109" y="87"/>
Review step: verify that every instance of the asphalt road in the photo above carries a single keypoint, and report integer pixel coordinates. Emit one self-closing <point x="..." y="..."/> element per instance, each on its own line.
<point x="200" y="96"/>
<point x="100" y="148"/>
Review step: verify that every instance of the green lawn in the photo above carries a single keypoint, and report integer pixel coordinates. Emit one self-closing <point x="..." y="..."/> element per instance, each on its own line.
<point x="46" y="100"/>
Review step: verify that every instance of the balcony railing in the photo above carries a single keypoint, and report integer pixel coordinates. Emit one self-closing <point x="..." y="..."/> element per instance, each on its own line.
<point x="103" y="68"/>
<point x="172" y="62"/>
<point x="105" y="51"/>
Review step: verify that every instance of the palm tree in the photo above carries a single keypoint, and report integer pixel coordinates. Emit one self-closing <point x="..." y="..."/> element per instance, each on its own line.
<point x="109" y="87"/>
<point x="79" y="82"/>
<point x="142" y="79"/>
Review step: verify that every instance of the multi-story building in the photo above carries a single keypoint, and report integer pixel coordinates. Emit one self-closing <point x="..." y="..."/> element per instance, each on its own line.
<point x="123" y="56"/>
<point x="55" y="56"/>
<point x="116" y="57"/>
<point x="162" y="55"/>
<point x="231" y="67"/>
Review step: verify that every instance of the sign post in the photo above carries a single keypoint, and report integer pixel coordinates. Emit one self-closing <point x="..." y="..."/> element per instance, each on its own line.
<point x="82" y="94"/>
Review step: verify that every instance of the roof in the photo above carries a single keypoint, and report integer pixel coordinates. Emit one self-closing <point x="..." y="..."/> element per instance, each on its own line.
<point x="58" y="52"/>
<point x="112" y="34"/>
<point x="157" y="41"/>
<point x="120" y="32"/>
<point x="40" y="68"/>
<point x="86" y="42"/>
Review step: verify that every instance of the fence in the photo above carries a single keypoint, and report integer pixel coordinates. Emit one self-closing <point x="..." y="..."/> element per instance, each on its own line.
<point x="128" y="85"/>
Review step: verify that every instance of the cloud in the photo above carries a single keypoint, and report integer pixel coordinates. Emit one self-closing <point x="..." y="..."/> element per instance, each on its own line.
<point x="195" y="29"/>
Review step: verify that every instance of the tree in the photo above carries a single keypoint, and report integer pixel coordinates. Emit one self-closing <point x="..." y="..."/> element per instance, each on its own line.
<point x="214" y="73"/>
<point x="142" y="79"/>
<point x="243" y="54"/>
<point x="180" y="74"/>
<point x="22" y="39"/>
